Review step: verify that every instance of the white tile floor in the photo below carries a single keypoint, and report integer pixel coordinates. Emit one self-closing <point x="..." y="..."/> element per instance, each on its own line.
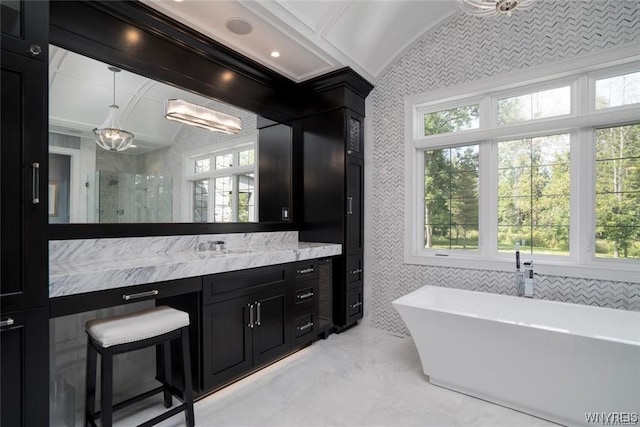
<point x="362" y="377"/>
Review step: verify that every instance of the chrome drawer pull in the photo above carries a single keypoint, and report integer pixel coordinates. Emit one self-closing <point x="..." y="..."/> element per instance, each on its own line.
<point x="358" y="304"/>
<point x="350" y="206"/>
<point x="306" y="270"/>
<point x="305" y="296"/>
<point x="35" y="185"/>
<point x="305" y="326"/>
<point x="140" y="295"/>
<point x="358" y="271"/>
<point x="7" y="322"/>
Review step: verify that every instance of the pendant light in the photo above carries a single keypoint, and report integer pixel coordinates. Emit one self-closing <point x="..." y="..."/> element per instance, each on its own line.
<point x="110" y="135"/>
<point x="492" y="7"/>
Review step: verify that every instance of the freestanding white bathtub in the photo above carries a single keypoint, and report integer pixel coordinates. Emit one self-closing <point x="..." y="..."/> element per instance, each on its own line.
<point x="554" y="360"/>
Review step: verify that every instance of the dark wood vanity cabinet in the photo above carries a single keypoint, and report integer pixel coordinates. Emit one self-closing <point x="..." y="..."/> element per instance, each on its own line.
<point x="305" y="321"/>
<point x="24" y="327"/>
<point x="253" y="317"/>
<point x="333" y="210"/>
<point x="245" y="322"/>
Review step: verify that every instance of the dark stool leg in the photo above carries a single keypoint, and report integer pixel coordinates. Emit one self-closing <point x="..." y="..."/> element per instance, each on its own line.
<point x="90" y="385"/>
<point x="188" y="388"/>
<point x="166" y="371"/>
<point x="106" y="388"/>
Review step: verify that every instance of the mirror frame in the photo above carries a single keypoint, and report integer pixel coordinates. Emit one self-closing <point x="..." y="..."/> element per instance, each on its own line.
<point x="139" y="39"/>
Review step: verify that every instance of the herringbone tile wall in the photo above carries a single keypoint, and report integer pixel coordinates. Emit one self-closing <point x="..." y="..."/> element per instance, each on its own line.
<point x="465" y="49"/>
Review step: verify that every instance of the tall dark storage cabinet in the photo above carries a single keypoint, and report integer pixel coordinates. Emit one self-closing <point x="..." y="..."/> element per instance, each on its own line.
<point x="23" y="214"/>
<point x="333" y="181"/>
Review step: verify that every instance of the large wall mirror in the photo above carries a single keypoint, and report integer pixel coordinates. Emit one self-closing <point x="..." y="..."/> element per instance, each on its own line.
<point x="173" y="171"/>
<point x="177" y="178"/>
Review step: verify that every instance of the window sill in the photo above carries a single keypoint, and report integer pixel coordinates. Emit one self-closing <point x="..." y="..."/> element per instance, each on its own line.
<point x="598" y="269"/>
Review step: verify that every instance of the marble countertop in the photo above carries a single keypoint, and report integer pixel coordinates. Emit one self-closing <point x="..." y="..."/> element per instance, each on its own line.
<point x="74" y="277"/>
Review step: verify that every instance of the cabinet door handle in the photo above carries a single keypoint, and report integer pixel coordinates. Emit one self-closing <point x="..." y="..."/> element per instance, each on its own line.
<point x="356" y="271"/>
<point x="349" y="205"/>
<point x="6" y="322"/>
<point x="358" y="304"/>
<point x="250" y="316"/>
<point x="35" y="185"/>
<point x="305" y="270"/>
<point x="140" y="295"/>
<point x="259" y="317"/>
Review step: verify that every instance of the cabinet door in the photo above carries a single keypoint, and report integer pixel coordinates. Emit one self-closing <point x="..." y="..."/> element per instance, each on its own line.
<point x="355" y="134"/>
<point x="226" y="341"/>
<point x="23" y="183"/>
<point x="355" y="175"/>
<point x="354" y="304"/>
<point x="25" y="27"/>
<point x="271" y="336"/>
<point x="355" y="271"/>
<point x="23" y="375"/>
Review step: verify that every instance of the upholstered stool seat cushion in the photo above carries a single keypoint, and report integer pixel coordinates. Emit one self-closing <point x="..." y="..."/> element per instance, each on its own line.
<point x="136" y="326"/>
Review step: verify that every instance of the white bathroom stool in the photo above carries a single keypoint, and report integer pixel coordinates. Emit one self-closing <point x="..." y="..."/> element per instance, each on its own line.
<point x="109" y="336"/>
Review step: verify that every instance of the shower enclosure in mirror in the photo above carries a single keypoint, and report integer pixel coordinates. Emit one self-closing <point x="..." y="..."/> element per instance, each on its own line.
<point x="172" y="172"/>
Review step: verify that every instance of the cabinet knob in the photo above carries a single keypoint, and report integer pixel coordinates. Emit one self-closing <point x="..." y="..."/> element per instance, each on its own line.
<point x="35" y="50"/>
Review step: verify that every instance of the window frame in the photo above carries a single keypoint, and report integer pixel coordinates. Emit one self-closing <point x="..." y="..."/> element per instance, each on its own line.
<point x="581" y="74"/>
<point x="233" y="147"/>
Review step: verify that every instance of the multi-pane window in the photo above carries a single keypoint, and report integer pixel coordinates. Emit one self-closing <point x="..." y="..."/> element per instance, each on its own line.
<point x="451" y="198"/>
<point x="535" y="105"/>
<point x="201" y="200"/>
<point x="201" y="165"/>
<point x="226" y="193"/>
<point x="451" y="120"/>
<point x="618" y="90"/>
<point x="618" y="192"/>
<point x="533" y="194"/>
<point x="553" y="166"/>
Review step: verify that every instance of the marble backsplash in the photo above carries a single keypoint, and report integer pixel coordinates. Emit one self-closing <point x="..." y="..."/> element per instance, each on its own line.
<point x="61" y="251"/>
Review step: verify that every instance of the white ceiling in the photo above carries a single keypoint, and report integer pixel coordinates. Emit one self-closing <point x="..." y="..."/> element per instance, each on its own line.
<point x="314" y="36"/>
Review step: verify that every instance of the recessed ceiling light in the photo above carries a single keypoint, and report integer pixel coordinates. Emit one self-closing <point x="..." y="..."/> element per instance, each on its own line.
<point x="275" y="54"/>
<point x="239" y="26"/>
<point x="134" y="145"/>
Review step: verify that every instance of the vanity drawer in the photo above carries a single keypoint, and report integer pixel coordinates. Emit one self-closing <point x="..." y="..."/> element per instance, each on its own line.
<point x="306" y="270"/>
<point x="354" y="270"/>
<point x="354" y="304"/>
<point x="224" y="286"/>
<point x="304" y="328"/>
<point x="305" y="295"/>
<point x="62" y="306"/>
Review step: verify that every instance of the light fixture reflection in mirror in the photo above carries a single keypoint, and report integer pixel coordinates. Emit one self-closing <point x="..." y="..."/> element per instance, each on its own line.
<point x="203" y="117"/>
<point x="160" y="178"/>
